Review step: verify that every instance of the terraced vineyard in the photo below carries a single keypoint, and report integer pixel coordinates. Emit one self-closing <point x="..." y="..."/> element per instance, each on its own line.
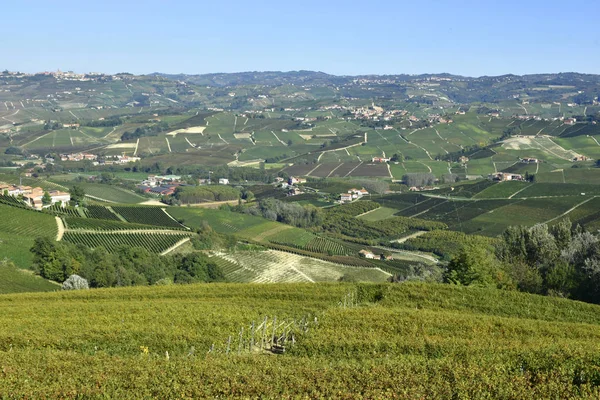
<point x="272" y="266"/>
<point x="66" y="211"/>
<point x="148" y="216"/>
<point x="154" y="242"/>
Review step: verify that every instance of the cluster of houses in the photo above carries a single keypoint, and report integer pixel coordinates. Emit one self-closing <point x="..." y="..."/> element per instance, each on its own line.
<point x="108" y="160"/>
<point x="353" y="194"/>
<point x="33" y="196"/>
<point x="165" y="185"/>
<point x="78" y="157"/>
<point x="422" y="188"/>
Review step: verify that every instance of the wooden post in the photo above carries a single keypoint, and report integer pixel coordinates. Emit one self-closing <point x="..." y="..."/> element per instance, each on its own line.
<point x="228" y="345"/>
<point x="252" y="337"/>
<point x="264" y="334"/>
<point x="241" y="340"/>
<point x="274" y="328"/>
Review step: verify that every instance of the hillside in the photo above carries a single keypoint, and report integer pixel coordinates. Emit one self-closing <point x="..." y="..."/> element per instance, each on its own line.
<point x="373" y="341"/>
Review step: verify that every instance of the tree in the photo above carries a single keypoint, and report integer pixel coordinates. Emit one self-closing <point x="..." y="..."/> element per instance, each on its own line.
<point x="46" y="199"/>
<point x="476" y="265"/>
<point x="75" y="282"/>
<point x="77" y="194"/>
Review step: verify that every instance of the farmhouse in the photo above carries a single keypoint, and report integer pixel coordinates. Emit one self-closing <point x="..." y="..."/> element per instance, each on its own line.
<point x="358" y="193"/>
<point x="570" y="121"/>
<point x="530" y="160"/>
<point x="463" y="159"/>
<point x="580" y="158"/>
<point x="367" y="254"/>
<point x="345" y="197"/>
<point x="379" y="160"/>
<point x="505" y="176"/>
<point x="34" y="198"/>
<point x="292" y="180"/>
<point x="223" y="181"/>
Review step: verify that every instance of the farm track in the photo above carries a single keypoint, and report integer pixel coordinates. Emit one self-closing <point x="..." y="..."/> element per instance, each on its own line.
<point x="61" y="229"/>
<point x="413" y="235"/>
<point x="569" y="210"/>
<point x="175" y="246"/>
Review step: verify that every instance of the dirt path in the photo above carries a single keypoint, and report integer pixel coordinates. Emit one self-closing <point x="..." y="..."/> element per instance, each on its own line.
<point x="404" y="239"/>
<point x="333" y="170"/>
<point x="61" y="229"/>
<point x="137" y="145"/>
<point x="168" y="144"/>
<point x="569" y="210"/>
<point x="226" y="142"/>
<point x="368" y="212"/>
<point x="176" y="245"/>
<point x="99" y="199"/>
<point x="352" y="170"/>
<point x="270" y="232"/>
<point x="277" y="137"/>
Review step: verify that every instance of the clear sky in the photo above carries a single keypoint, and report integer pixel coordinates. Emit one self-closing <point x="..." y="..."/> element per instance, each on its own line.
<point x="346" y="38"/>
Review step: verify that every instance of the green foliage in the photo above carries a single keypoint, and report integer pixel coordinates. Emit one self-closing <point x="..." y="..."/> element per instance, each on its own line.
<point x="155" y="242"/>
<point x="476" y="266"/>
<point x="15" y="280"/>
<point x="123" y="265"/>
<point x="200" y="194"/>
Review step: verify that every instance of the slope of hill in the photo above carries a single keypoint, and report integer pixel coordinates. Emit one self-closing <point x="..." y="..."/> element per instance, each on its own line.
<point x="368" y="341"/>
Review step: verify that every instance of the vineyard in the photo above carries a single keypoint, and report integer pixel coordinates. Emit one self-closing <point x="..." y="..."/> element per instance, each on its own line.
<point x="147" y="215"/>
<point x="101" y="225"/>
<point x="11" y="201"/>
<point x="274" y="266"/>
<point x="66" y="211"/>
<point x="101" y="212"/>
<point x="154" y="242"/>
<point x="315" y="244"/>
<point x="405" y="341"/>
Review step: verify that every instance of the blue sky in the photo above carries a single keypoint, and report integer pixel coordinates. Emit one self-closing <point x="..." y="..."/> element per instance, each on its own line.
<point x="352" y="37"/>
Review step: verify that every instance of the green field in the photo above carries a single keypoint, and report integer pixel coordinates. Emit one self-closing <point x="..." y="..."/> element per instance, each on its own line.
<point x="411" y="340"/>
<point x="15" y="280"/>
<point x="19" y="228"/>
<point x="112" y="194"/>
<point x="378" y="214"/>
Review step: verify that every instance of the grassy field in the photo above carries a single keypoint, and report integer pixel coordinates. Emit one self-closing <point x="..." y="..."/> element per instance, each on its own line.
<point x="112" y="194"/>
<point x="404" y="341"/>
<point x="378" y="214"/>
<point x="18" y="230"/>
<point x="226" y="221"/>
<point x="15" y="280"/>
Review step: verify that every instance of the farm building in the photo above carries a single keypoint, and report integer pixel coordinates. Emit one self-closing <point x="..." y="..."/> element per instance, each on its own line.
<point x="530" y="160"/>
<point x="505" y="176"/>
<point x="223" y="181"/>
<point x="570" y="121"/>
<point x="367" y="254"/>
<point x="34" y="199"/>
<point x="358" y="193"/>
<point x="292" y="180"/>
<point x="463" y="159"/>
<point x="380" y="159"/>
<point x="580" y="158"/>
<point x="345" y="197"/>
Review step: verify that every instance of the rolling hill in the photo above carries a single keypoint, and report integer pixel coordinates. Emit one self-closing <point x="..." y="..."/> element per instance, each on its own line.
<point x="374" y="341"/>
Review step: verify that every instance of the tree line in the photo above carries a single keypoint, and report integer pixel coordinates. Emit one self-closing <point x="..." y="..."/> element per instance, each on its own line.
<point x="554" y="260"/>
